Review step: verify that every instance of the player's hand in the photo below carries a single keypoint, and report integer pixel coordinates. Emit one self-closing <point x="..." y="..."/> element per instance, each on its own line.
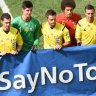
<point x="58" y="47"/>
<point x="34" y="48"/>
<point x="13" y="52"/>
<point x="2" y="53"/>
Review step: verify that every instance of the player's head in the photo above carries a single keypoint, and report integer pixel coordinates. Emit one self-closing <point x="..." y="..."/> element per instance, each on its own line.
<point x="67" y="7"/>
<point x="51" y="17"/>
<point x="27" y="4"/>
<point x="27" y="8"/>
<point x="6" y="21"/>
<point x="89" y="12"/>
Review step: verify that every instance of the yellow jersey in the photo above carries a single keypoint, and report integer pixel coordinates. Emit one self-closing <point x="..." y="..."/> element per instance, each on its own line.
<point x="8" y="41"/>
<point x="86" y="32"/>
<point x="59" y="34"/>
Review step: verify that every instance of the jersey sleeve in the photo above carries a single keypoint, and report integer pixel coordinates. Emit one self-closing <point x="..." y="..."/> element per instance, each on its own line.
<point x="14" y="23"/>
<point x="19" y="40"/>
<point x="66" y="35"/>
<point x="37" y="34"/>
<point x="78" y="32"/>
<point x="58" y="19"/>
<point x="42" y="27"/>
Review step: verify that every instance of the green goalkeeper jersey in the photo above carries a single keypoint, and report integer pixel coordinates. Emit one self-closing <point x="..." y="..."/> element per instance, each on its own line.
<point x="29" y="31"/>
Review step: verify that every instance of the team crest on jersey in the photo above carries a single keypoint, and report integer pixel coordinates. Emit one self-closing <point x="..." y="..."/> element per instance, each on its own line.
<point x="26" y="29"/>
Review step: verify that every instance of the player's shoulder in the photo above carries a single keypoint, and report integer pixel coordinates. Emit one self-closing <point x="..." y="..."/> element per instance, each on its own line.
<point x="60" y="26"/>
<point x="44" y="24"/>
<point x="17" y="18"/>
<point x="13" y="30"/>
<point x="82" y="20"/>
<point x="59" y="15"/>
<point x="34" y="20"/>
<point x="76" y="14"/>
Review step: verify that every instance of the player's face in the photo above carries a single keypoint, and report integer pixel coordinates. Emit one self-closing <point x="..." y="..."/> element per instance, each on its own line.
<point x="6" y="24"/>
<point x="51" y="21"/>
<point x="89" y="15"/>
<point x="27" y="12"/>
<point x="68" y="11"/>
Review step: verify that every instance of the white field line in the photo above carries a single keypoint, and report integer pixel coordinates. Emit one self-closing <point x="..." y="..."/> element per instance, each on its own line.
<point x="5" y="8"/>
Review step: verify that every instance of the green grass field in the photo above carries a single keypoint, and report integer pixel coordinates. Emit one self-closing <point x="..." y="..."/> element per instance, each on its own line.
<point x="41" y="6"/>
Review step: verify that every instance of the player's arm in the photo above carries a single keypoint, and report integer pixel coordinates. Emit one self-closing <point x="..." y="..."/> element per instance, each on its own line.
<point x="66" y="44"/>
<point x="78" y="42"/>
<point x="66" y="37"/>
<point x="78" y="34"/>
<point x="15" y="23"/>
<point x="2" y="53"/>
<point x="19" y="42"/>
<point x="37" y="34"/>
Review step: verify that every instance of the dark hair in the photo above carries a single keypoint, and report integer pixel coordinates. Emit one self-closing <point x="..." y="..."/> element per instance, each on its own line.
<point x="89" y="7"/>
<point x="5" y="15"/>
<point x="65" y="3"/>
<point x="27" y="4"/>
<point x="50" y="12"/>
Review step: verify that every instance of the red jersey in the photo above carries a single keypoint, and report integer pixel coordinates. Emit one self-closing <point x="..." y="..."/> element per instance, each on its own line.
<point x="70" y="23"/>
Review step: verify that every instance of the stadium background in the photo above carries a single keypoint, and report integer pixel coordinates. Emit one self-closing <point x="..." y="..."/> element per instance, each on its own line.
<point x="41" y="6"/>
